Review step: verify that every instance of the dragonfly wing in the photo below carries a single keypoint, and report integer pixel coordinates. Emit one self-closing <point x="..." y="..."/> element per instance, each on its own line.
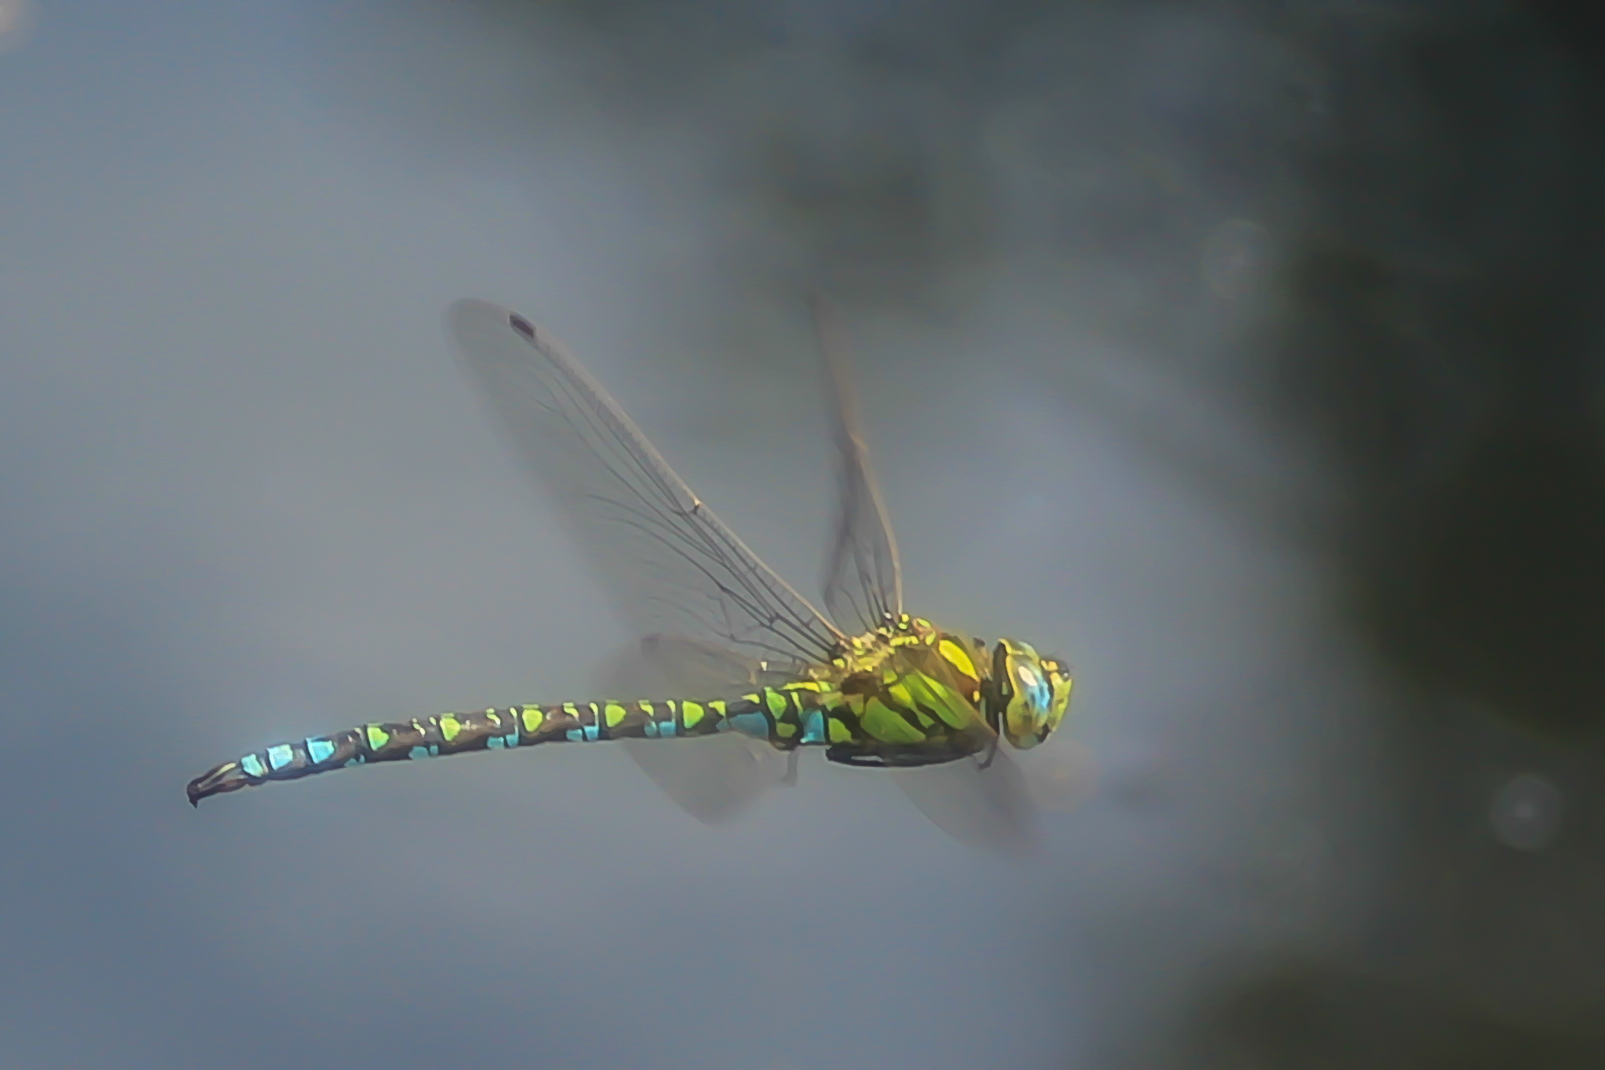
<point x="695" y="667"/>
<point x="979" y="803"/>
<point x="712" y="779"/>
<point x="863" y="575"/>
<point x="996" y="806"/>
<point x="1062" y="774"/>
<point x="671" y="566"/>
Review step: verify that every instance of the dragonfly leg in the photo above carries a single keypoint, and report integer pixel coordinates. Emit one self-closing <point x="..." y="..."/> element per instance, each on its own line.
<point x="790" y="779"/>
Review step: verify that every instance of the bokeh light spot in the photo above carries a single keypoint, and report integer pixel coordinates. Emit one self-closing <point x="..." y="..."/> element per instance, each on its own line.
<point x="1526" y="813"/>
<point x="1235" y="258"/>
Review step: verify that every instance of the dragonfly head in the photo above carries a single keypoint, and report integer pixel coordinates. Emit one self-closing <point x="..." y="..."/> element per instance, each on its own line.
<point x="1028" y="694"/>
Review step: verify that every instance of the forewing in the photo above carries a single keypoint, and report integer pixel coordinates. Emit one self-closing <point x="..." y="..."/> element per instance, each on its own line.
<point x="669" y="564"/>
<point x="979" y="803"/>
<point x="715" y="778"/>
<point x="712" y="779"/>
<point x="863" y="576"/>
<point x="699" y="669"/>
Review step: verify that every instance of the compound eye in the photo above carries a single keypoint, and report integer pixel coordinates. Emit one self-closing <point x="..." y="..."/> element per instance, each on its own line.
<point x="1032" y="686"/>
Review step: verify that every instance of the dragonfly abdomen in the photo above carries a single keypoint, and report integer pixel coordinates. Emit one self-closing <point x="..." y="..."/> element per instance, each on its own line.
<point x="785" y="717"/>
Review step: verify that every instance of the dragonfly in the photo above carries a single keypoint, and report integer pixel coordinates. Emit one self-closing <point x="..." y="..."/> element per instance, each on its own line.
<point x="750" y="661"/>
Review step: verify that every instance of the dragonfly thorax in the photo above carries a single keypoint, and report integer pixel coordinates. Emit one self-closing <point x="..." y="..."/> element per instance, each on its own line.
<point x="868" y="650"/>
<point x="1021" y="694"/>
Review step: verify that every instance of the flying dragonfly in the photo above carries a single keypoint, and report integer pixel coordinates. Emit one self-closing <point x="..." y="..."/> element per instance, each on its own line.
<point x="757" y="669"/>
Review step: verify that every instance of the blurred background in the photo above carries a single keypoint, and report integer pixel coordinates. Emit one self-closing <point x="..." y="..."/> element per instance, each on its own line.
<point x="1245" y="353"/>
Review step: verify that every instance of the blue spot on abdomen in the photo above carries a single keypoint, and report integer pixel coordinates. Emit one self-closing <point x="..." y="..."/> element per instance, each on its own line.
<point x="319" y="750"/>
<point x="755" y="725"/>
<point x="280" y="756"/>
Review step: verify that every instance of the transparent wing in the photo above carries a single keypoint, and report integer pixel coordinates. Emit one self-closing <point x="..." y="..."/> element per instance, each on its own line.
<point x="670" y="565"/>
<point x="983" y="804"/>
<point x="1062" y="774"/>
<point x="714" y="778"/>
<point x="699" y="669"/>
<point x="863" y="576"/>
<point x="981" y="800"/>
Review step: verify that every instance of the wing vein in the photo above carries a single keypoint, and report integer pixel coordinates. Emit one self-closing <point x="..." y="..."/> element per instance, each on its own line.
<point x="668" y="563"/>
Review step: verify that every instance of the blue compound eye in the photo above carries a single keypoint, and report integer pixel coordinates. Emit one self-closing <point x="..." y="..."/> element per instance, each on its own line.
<point x="1033" y="688"/>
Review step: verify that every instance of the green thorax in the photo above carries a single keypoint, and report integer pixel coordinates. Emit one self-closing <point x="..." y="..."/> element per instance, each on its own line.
<point x="904" y="683"/>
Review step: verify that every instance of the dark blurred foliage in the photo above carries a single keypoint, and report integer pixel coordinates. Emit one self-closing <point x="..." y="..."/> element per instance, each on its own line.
<point x="1294" y="1016"/>
<point x="1441" y="340"/>
<point x="1436" y="337"/>
<point x="1422" y="318"/>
